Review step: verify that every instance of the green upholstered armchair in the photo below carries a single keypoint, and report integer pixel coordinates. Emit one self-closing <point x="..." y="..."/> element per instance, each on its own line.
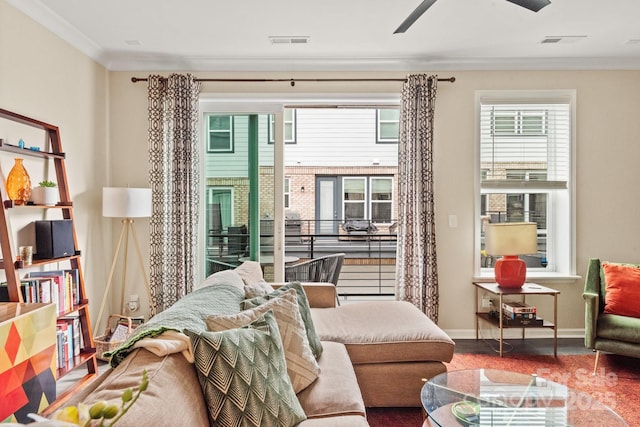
<point x="606" y="332"/>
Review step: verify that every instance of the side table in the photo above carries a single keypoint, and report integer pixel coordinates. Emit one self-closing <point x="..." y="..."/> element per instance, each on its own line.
<point x="527" y="289"/>
<point x="27" y="359"/>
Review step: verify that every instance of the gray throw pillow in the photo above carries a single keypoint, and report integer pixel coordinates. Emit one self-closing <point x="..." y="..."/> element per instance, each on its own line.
<point x="243" y="376"/>
<point x="303" y="305"/>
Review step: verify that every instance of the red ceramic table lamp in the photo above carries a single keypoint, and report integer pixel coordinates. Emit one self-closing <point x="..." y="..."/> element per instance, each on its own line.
<point x="509" y="240"/>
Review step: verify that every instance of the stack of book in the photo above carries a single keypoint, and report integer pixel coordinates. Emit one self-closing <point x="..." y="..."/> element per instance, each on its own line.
<point x="60" y="287"/>
<point x="519" y="314"/>
<point x="69" y="340"/>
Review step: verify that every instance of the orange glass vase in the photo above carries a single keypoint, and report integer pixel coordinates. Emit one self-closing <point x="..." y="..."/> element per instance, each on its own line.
<point x="18" y="184"/>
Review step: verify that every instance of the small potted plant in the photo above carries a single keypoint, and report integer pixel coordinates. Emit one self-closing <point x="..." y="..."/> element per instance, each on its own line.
<point x="45" y="193"/>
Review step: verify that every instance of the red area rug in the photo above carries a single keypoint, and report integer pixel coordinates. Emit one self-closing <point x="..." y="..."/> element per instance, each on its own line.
<point x="615" y="385"/>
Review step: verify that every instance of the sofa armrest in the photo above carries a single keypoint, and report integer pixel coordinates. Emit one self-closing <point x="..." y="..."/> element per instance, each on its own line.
<point x="319" y="294"/>
<point x="591" y="296"/>
<point x="590" y="318"/>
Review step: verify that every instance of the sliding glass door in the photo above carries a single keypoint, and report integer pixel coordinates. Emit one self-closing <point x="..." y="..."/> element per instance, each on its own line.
<point x="242" y="188"/>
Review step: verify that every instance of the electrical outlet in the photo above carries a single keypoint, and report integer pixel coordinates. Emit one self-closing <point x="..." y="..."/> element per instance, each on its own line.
<point x="134" y="303"/>
<point x="486" y="301"/>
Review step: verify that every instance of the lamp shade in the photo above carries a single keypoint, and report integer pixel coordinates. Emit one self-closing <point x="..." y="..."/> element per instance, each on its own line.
<point x="511" y="238"/>
<point x="126" y="202"/>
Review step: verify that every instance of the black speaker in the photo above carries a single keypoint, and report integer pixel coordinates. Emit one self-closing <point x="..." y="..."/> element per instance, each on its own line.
<point x="54" y="239"/>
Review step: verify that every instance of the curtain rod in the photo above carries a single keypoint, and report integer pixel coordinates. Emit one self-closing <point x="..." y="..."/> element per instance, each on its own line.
<point x="293" y="81"/>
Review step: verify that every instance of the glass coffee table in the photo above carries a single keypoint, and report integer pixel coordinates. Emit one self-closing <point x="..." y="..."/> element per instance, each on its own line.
<point x="490" y="397"/>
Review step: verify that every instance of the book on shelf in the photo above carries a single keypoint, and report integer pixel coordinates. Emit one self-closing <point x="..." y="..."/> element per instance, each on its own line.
<point x="517" y="308"/>
<point x="26" y="287"/>
<point x="73" y="321"/>
<point x="518" y="316"/>
<point x="507" y="321"/>
<point x="60" y="338"/>
<point x="62" y="285"/>
<point x="64" y="345"/>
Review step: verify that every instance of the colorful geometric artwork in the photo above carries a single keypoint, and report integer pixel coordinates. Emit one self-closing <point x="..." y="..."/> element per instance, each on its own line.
<point x="27" y="359"/>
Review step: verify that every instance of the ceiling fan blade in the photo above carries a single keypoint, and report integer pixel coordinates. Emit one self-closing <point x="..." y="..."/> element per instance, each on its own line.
<point x="534" y="5"/>
<point x="417" y="13"/>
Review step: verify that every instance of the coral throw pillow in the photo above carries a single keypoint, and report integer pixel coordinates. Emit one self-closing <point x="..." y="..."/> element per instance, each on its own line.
<point x="622" y="289"/>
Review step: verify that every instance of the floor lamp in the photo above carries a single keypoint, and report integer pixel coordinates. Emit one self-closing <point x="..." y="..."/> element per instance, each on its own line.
<point x="126" y="203"/>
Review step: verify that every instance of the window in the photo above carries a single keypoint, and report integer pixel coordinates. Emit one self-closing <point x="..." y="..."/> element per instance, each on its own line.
<point x="381" y="199"/>
<point x="369" y="198"/>
<point x="287" y="191"/>
<point x="388" y="125"/>
<point x="220" y="134"/>
<point x="271" y="129"/>
<point x="289" y="127"/>
<point x="525" y="171"/>
<point x="353" y="190"/>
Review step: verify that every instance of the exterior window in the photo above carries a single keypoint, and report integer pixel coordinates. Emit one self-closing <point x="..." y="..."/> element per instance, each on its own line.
<point x="381" y="199"/>
<point x="220" y="134"/>
<point x="289" y="126"/>
<point x="525" y="171"/>
<point x="271" y="126"/>
<point x="354" y="190"/>
<point x="369" y="198"/>
<point x="287" y="189"/>
<point x="388" y="125"/>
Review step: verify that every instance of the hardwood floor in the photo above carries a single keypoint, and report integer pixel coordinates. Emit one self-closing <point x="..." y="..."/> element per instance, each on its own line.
<point x="481" y="346"/>
<point x="520" y="346"/>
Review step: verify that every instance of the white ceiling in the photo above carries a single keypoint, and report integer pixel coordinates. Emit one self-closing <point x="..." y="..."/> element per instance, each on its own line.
<point x="230" y="35"/>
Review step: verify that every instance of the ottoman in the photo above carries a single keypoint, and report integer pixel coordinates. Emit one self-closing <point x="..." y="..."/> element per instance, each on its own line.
<point x="392" y="346"/>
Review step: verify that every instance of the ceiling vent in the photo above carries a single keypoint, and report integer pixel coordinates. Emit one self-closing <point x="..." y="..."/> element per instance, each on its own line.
<point x="289" y="39"/>
<point x="562" y="39"/>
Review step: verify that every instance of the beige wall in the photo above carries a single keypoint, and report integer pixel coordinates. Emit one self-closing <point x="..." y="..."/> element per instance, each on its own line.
<point x="44" y="78"/>
<point x="73" y="94"/>
<point x="607" y="154"/>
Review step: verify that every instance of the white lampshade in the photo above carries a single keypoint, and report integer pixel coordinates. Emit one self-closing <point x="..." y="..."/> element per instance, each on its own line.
<point x="511" y="238"/>
<point x="126" y="202"/>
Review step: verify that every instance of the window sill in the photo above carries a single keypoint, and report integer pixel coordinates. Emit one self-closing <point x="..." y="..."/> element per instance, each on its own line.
<point x="538" y="277"/>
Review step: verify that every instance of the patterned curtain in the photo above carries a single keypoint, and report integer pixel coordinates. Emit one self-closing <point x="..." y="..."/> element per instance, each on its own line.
<point x="416" y="266"/>
<point x="174" y="179"/>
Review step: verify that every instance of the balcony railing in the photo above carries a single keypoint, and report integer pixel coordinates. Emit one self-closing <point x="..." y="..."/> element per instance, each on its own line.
<point x="370" y="251"/>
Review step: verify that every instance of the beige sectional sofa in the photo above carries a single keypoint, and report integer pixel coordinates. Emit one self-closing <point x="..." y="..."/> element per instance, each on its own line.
<point x="375" y="354"/>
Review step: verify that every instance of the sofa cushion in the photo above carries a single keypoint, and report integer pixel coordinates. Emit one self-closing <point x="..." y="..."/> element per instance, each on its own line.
<point x="301" y="364"/>
<point x="243" y="377"/>
<point x="619" y="328"/>
<point x="622" y="293"/>
<point x="173" y="385"/>
<point x="340" y="421"/>
<point x="384" y="331"/>
<point x="305" y="312"/>
<point x="336" y="391"/>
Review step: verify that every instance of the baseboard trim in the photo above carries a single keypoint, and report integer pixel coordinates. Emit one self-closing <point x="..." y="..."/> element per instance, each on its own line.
<point x="512" y="333"/>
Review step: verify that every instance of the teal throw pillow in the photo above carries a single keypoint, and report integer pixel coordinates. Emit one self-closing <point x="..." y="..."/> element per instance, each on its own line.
<point x="243" y="376"/>
<point x="303" y="306"/>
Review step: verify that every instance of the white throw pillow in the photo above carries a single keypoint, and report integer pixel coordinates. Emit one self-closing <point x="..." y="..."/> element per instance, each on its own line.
<point x="250" y="272"/>
<point x="223" y="277"/>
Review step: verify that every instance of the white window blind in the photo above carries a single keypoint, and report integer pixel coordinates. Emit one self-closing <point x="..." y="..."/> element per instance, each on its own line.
<point x="533" y="138"/>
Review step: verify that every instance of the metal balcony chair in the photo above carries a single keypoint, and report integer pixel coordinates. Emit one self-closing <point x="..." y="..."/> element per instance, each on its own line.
<point x="322" y="269"/>
<point x="215" y="265"/>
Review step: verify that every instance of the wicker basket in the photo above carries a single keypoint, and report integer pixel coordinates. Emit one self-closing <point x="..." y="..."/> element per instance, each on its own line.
<point x="104" y="342"/>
